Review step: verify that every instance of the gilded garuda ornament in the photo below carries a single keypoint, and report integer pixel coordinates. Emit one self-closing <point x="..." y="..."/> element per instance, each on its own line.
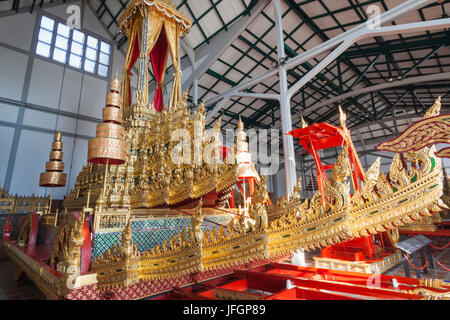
<point x="258" y="209"/>
<point x="196" y="222"/>
<point x="433" y="129"/>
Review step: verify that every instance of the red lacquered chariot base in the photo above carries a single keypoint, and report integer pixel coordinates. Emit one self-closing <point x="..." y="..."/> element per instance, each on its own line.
<point x="279" y="281"/>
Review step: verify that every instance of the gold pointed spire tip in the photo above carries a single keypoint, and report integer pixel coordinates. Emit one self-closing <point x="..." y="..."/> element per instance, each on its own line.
<point x="304" y="123"/>
<point x="342" y="117"/>
<point x="115" y="83"/>
<point x="240" y="124"/>
<point x="58" y="136"/>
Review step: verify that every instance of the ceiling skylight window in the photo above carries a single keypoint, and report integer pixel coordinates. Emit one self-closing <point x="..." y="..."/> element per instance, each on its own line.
<point x="73" y="47"/>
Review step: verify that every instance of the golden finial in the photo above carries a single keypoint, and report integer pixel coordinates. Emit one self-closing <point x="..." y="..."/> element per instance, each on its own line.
<point x="201" y="107"/>
<point x="217" y="124"/>
<point x="54" y="175"/>
<point x="58" y="136"/>
<point x="109" y="146"/>
<point x="435" y="109"/>
<point x="200" y="110"/>
<point x="185" y="95"/>
<point x="115" y="84"/>
<point x="304" y="123"/>
<point x="342" y="118"/>
<point x="240" y="124"/>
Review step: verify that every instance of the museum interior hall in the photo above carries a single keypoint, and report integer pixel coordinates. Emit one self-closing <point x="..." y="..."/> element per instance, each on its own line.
<point x="225" y="150"/>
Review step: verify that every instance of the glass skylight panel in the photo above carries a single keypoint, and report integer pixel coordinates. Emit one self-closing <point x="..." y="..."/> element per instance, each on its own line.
<point x="59" y="55"/>
<point x="75" y="61"/>
<point x="47" y="23"/>
<point x="92" y="42"/>
<point x="45" y="36"/>
<point x="89" y="65"/>
<point x="63" y="30"/>
<point x="61" y="42"/>
<point x="102" y="70"/>
<point x="77" y="48"/>
<point x="103" y="58"/>
<point x="73" y="47"/>
<point x="43" y="49"/>
<point x="91" y="54"/>
<point x="78" y="36"/>
<point x="105" y="48"/>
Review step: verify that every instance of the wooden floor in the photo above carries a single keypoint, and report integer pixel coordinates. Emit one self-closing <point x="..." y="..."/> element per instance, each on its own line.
<point x="8" y="287"/>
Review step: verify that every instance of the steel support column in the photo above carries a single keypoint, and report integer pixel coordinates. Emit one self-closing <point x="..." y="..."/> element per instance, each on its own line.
<point x="285" y="107"/>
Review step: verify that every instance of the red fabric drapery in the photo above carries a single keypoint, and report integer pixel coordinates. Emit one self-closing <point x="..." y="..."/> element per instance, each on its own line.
<point x="134" y="57"/>
<point x="158" y="59"/>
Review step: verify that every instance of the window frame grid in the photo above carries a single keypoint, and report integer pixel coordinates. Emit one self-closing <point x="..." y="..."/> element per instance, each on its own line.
<point x="53" y="44"/>
<point x="86" y="33"/>
<point x="50" y="53"/>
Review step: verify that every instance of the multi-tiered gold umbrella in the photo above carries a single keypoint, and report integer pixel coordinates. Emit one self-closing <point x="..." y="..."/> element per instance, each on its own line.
<point x="109" y="145"/>
<point x="54" y="175"/>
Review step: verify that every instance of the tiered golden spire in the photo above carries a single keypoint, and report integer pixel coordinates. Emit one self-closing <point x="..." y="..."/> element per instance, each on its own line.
<point x="54" y="175"/>
<point x="246" y="169"/>
<point x="109" y="145"/>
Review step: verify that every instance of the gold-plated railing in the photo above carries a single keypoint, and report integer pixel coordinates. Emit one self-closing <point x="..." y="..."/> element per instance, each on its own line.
<point x="111" y="221"/>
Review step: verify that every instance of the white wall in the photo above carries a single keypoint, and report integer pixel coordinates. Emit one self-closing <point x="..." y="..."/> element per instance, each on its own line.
<point x="52" y="86"/>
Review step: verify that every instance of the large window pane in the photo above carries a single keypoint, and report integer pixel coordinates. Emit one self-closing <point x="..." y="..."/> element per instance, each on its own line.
<point x="63" y="30"/>
<point x="78" y="36"/>
<point x="75" y="61"/>
<point x="47" y="23"/>
<point x="61" y="42"/>
<point x="104" y="58"/>
<point x="43" y="49"/>
<point x="89" y="65"/>
<point x="45" y="36"/>
<point x="91" y="54"/>
<point x="59" y="55"/>
<point x="104" y="47"/>
<point x="102" y="70"/>
<point x="92" y="42"/>
<point x="73" y="47"/>
<point x="77" y="48"/>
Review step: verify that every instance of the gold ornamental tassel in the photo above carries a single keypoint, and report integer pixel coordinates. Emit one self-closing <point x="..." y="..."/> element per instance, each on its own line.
<point x="109" y="147"/>
<point x="54" y="175"/>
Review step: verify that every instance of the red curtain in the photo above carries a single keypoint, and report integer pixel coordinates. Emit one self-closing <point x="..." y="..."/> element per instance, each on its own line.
<point x="158" y="58"/>
<point x="134" y="57"/>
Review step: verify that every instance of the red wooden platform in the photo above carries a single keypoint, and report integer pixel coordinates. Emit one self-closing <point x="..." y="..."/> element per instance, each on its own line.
<point x="269" y="282"/>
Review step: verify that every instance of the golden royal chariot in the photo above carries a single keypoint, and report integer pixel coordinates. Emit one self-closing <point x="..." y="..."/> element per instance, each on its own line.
<point x="156" y="224"/>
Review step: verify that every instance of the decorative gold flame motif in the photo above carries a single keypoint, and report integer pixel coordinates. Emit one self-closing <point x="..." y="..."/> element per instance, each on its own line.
<point x="304" y="123"/>
<point x="342" y="118"/>
<point x="433" y="129"/>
